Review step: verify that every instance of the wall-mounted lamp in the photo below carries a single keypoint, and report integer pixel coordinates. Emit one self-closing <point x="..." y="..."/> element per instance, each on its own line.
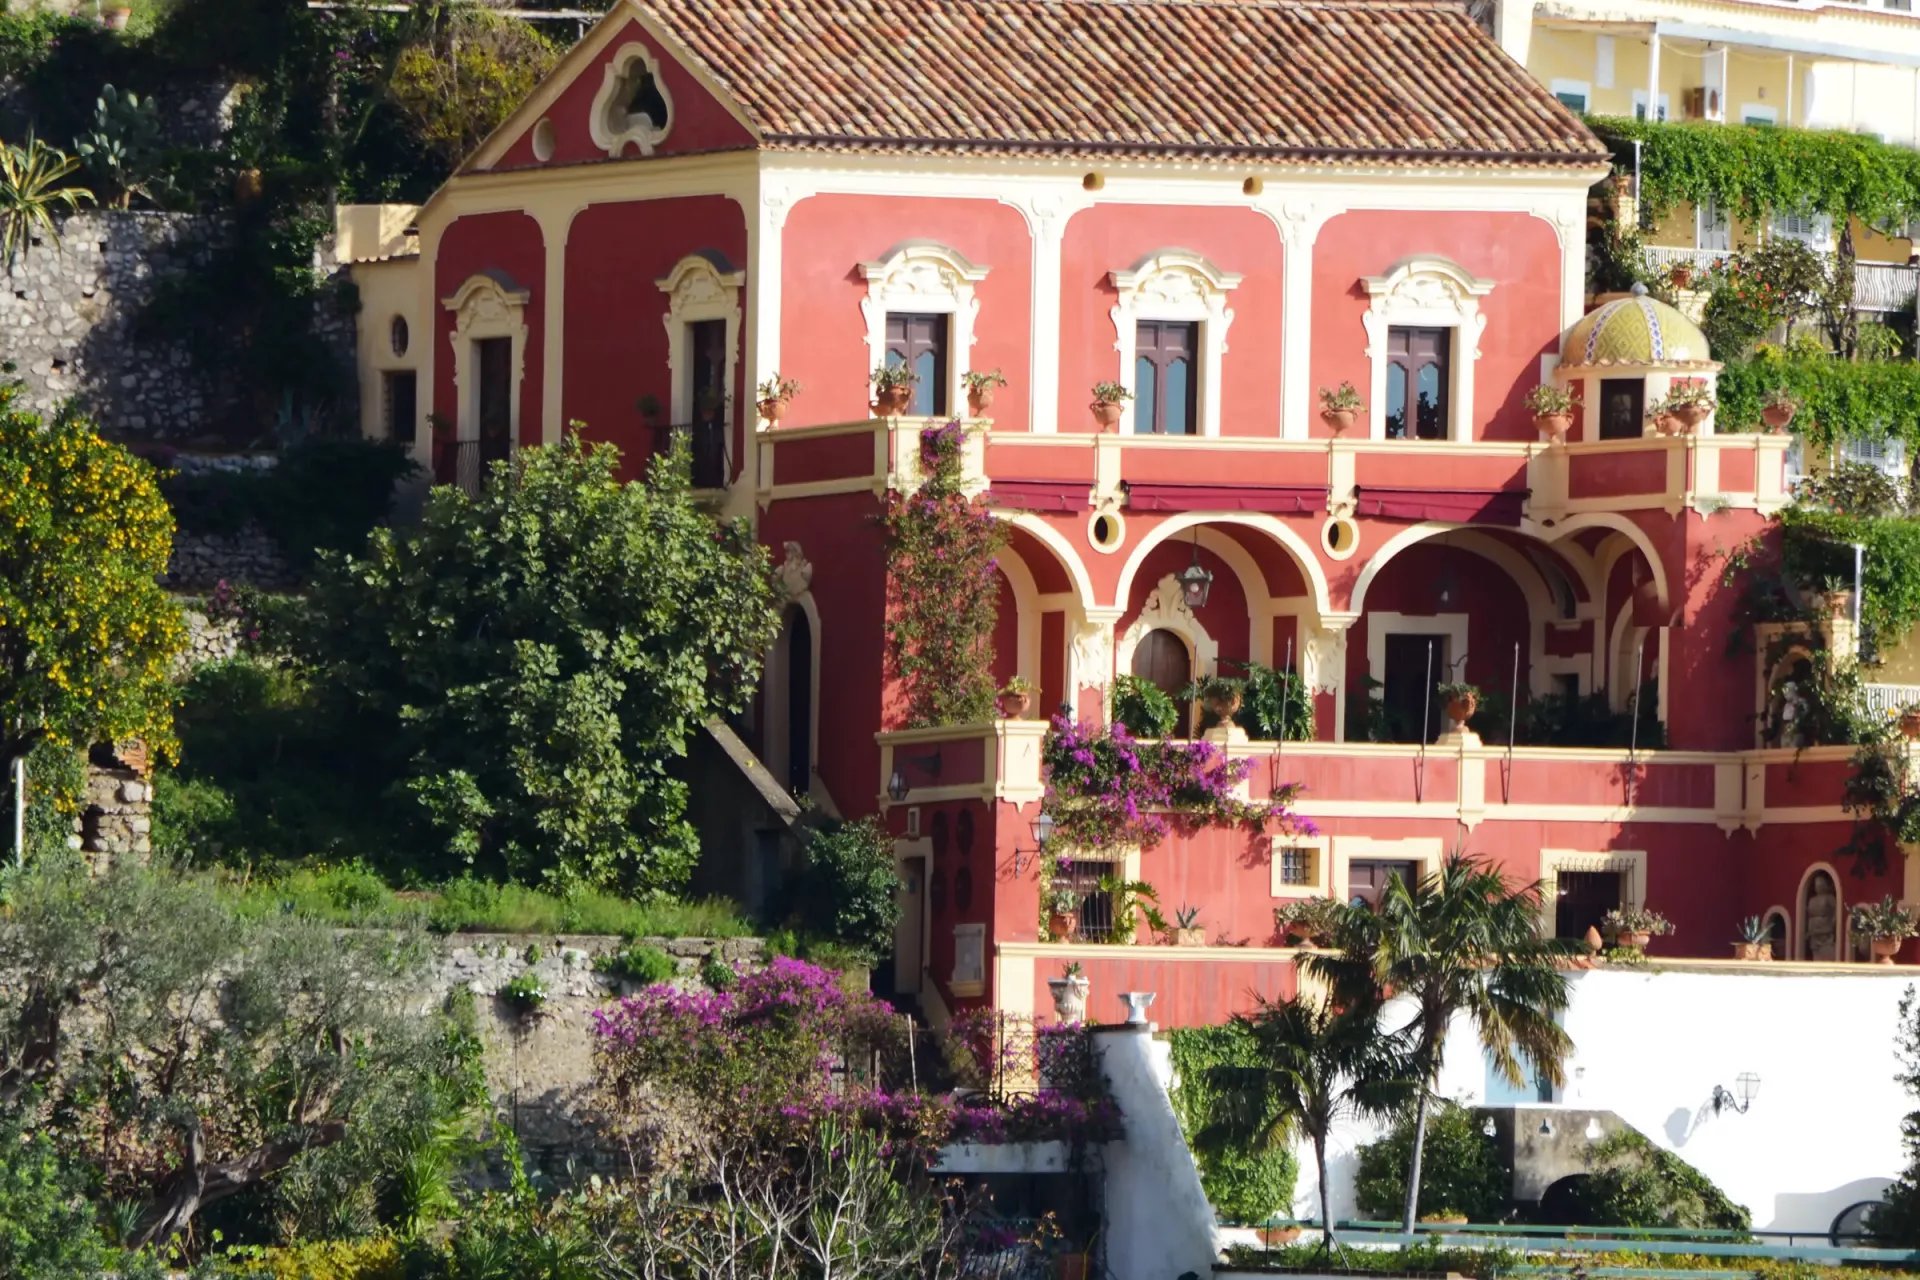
<point x="1196" y="581"/>
<point x="1042" y="828"/>
<point x="1546" y="1127"/>
<point x="1746" y="1087"/>
<point x="897" y="787"/>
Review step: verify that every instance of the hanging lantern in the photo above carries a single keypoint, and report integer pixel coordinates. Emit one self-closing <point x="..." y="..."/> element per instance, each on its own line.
<point x="1196" y="582"/>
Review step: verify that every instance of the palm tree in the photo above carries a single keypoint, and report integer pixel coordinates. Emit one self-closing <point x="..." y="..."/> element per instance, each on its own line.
<point x="1315" y="1066"/>
<point x="1461" y="941"/>
<point x="30" y="194"/>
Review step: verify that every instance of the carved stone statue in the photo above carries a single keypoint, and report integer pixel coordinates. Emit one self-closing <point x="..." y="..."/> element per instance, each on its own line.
<point x="1822" y="924"/>
<point x="795" y="574"/>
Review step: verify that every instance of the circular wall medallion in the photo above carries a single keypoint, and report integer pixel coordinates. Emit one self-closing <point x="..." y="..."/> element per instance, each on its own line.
<point x="1340" y="536"/>
<point x="1106" y="531"/>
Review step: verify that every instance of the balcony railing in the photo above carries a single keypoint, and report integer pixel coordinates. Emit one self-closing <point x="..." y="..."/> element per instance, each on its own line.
<point x="1877" y="286"/>
<point x="1888" y="699"/>
<point x="464" y="463"/>
<point x="707" y="442"/>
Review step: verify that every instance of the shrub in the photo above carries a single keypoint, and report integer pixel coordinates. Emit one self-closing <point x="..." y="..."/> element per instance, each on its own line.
<point x="378" y="1258"/>
<point x="1461" y="1173"/>
<point x="46" y="1226"/>
<point x="1633" y="1183"/>
<point x="1242" y="1184"/>
<point x="1144" y="708"/>
<point x="851" y="887"/>
<point x="641" y="964"/>
<point x="718" y="974"/>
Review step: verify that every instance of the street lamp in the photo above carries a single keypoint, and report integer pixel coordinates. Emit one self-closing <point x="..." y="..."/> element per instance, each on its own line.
<point x="1042" y="828"/>
<point x="1746" y="1087"/>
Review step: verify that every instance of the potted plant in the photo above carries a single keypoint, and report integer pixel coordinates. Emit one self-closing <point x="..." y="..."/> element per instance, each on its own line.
<point x="1836" y="596"/>
<point x="1109" y="400"/>
<point x="1069" y="992"/>
<point x="1635" y="927"/>
<point x="892" y="389"/>
<point x="1691" y="403"/>
<point x="1552" y="408"/>
<point x="1680" y="274"/>
<point x="773" y="396"/>
<point x="1221" y="695"/>
<point x="1662" y="417"/>
<point x="1186" y="932"/>
<point x="1308" y="921"/>
<point x="1460" y="699"/>
<point x="1910" y="722"/>
<point x="1063" y="913"/>
<point x="1778" y="410"/>
<point x="1339" y="406"/>
<point x="1015" y="697"/>
<point x="1754" y="942"/>
<point x="980" y="389"/>
<point x="709" y="403"/>
<point x="1886" y="924"/>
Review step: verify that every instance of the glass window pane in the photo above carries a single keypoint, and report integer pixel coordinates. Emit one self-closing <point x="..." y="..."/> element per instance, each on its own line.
<point x="1145" y="395"/>
<point x="927" y="365"/>
<point x="1179" y="376"/>
<point x="1396" y="402"/>
<point x="1432" y="399"/>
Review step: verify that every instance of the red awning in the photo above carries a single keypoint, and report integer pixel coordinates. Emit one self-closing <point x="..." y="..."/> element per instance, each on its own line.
<point x="1277" y="499"/>
<point x="1039" y="495"/>
<point x="1457" y="506"/>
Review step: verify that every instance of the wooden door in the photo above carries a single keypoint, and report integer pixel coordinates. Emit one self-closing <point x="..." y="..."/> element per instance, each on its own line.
<point x="1418" y="379"/>
<point x="1367" y="879"/>
<point x="1161" y="659"/>
<point x="494" y="356"/>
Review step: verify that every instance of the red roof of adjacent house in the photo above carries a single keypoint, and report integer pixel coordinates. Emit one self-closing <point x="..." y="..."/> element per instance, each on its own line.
<point x="1257" y="79"/>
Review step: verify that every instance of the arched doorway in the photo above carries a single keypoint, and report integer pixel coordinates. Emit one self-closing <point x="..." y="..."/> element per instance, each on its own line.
<point x="1566" y="1203"/>
<point x="1163" y="660"/>
<point x="798" y="642"/>
<point x="1777" y="945"/>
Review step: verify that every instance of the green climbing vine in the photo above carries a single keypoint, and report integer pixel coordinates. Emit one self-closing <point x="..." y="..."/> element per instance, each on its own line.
<point x="1839" y="399"/>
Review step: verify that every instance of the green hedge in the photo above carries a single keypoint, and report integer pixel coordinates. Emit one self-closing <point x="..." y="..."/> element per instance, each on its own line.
<point x="1839" y="399"/>
<point x="1819" y="545"/>
<point x="1242" y="1185"/>
<point x="1460" y="1173"/>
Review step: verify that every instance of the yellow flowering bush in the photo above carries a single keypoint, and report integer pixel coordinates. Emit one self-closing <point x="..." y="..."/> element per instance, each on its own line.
<point x="87" y="636"/>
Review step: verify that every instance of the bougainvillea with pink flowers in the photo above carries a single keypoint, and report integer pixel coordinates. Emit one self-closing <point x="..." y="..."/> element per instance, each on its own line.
<point x="942" y="589"/>
<point x="1106" y="788"/>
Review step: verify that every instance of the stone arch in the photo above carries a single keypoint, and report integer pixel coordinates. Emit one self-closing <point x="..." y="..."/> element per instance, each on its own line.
<point x="1779" y="923"/>
<point x="1618" y="524"/>
<point x="1063" y="552"/>
<point x="1293" y="543"/>
<point x="1166" y="610"/>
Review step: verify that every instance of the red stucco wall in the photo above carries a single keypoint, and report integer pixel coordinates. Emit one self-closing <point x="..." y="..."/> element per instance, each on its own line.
<point x="509" y="244"/>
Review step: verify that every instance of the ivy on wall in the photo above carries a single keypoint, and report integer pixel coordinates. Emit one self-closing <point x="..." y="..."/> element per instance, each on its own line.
<point x="1748" y="169"/>
<point x="1244" y="1184"/>
<point x="1839" y="399"/>
<point x="942" y="589"/>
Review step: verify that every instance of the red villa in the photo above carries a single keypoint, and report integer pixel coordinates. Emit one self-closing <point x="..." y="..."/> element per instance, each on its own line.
<point x="1226" y="206"/>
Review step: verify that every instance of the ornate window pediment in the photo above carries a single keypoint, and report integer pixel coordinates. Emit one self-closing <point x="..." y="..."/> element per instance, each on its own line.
<point x="923" y="278"/>
<point x="633" y="107"/>
<point x="701" y="286"/>
<point x="1175" y="284"/>
<point x="488" y="304"/>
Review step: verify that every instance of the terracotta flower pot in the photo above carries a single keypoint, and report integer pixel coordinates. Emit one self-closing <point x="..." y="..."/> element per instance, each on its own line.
<point x="979" y="400"/>
<point x="1839" y="604"/>
<point x="1013" y="706"/>
<point x="1063" y="925"/>
<point x="1751" y="951"/>
<point x="1193" y="937"/>
<point x="773" y="409"/>
<point x="1910" y="725"/>
<point x="1301" y="937"/>
<point x="891" y="402"/>
<point x="1692" y="415"/>
<point x="1777" y="416"/>
<point x="1553" y="427"/>
<point x="1460" y="709"/>
<point x="1885" y="949"/>
<point x="1224" y="706"/>
<point x="1668" y="424"/>
<point x="1106" y="416"/>
<point x="1338" y="420"/>
<point x="1271" y="1236"/>
<point x="1628" y="938"/>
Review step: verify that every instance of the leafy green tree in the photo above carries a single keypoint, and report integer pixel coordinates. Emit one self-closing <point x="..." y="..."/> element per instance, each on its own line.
<point x="88" y="638"/>
<point x="1311" y="1066"/>
<point x="525" y="666"/>
<point x="1461" y="942"/>
<point x="47" y="1231"/>
<point x="1463" y="1171"/>
<point x="210" y="1054"/>
<point x="1247" y="1177"/>
<point x="457" y="82"/>
<point x="1896" y="1220"/>
<point x="851" y="886"/>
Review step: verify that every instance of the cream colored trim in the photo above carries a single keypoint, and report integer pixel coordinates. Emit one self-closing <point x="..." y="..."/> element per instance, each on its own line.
<point x="1427" y="851"/>
<point x="1175" y="284"/>
<point x="1298" y="547"/>
<point x="611" y="125"/>
<point x="1632" y="863"/>
<point x="484" y="308"/>
<point x="1383" y="623"/>
<point x="777" y="682"/>
<point x="1064" y="552"/>
<point x="698" y="290"/>
<point x="1322" y="865"/>
<point x="920" y="277"/>
<point x="1047" y="214"/>
<point x="1014" y="977"/>
<point x="1433" y="292"/>
<point x="1064" y="952"/>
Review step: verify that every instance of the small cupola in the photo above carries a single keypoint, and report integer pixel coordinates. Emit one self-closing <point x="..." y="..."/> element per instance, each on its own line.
<point x="1639" y="367"/>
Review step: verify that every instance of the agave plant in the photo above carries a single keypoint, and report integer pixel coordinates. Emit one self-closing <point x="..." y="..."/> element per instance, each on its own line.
<point x="31" y="191"/>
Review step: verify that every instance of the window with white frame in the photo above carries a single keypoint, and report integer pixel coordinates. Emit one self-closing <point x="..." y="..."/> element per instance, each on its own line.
<point x="1297" y="865"/>
<point x="703" y="333"/>
<point x="1176" y="301"/>
<point x="1887" y="456"/>
<point x="1423" y="322"/>
<point x="1755" y="113"/>
<point x="1640" y="105"/>
<point x="921" y="310"/>
<point x="1814" y="230"/>
<point x="1712" y="228"/>
<point x="1573" y="93"/>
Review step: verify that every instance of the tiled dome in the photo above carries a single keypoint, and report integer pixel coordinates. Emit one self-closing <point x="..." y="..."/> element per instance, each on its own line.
<point x="1635" y="331"/>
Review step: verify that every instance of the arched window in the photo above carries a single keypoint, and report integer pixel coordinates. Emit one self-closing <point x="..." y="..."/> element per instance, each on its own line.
<point x="798" y="642"/>
<point x="1777" y="935"/>
<point x="1162" y="659"/>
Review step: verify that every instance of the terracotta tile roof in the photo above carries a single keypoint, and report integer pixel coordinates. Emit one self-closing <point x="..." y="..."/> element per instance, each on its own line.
<point x="1259" y="79"/>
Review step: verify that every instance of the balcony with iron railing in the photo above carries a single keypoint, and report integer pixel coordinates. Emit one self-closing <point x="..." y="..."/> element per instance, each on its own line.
<point x="465" y="463"/>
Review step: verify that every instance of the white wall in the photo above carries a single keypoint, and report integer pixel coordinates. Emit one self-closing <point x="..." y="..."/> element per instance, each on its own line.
<point x="1158" y="1223"/>
<point x="1862" y="97"/>
<point x="1650" y="1045"/>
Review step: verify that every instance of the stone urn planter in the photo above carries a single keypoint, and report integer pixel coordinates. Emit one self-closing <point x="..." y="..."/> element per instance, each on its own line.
<point x="1013" y="706"/>
<point x="979" y="400"/>
<point x="1106" y="415"/>
<point x="1553" y="427"/>
<point x="1669" y="424"/>
<point x="1777" y="416"/>
<point x="1884" y="949"/>
<point x="1223" y="706"/>
<point x="1062" y="925"/>
<point x="891" y="402"/>
<point x="1069" y="997"/>
<point x="1692" y="415"/>
<point x="1628" y="938"/>
<point x="1460" y="707"/>
<point x="1338" y="420"/>
<point x="772" y="410"/>
<point x="1839" y="604"/>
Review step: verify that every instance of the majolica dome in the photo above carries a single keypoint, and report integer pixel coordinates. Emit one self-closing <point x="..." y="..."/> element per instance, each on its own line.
<point x="1637" y="331"/>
